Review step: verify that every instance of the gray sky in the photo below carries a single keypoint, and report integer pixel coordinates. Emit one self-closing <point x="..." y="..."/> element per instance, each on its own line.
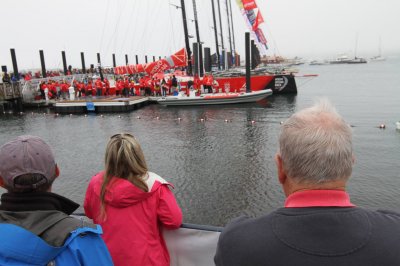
<point x="305" y="28"/>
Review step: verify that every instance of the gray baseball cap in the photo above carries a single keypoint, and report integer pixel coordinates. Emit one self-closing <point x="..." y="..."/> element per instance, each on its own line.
<point x="27" y="155"/>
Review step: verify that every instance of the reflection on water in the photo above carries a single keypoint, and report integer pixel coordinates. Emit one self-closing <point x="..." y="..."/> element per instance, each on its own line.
<point x="221" y="158"/>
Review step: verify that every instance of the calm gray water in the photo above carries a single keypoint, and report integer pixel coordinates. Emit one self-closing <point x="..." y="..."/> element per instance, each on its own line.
<point x="224" y="169"/>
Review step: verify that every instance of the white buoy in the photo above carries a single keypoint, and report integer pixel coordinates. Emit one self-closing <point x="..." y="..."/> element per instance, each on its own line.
<point x="119" y="116"/>
<point x="138" y="117"/>
<point x="398" y="125"/>
<point x="226" y="120"/>
<point x="157" y="117"/>
<point x="85" y="115"/>
<point x="253" y="122"/>
<point x="382" y="126"/>
<point x="201" y="119"/>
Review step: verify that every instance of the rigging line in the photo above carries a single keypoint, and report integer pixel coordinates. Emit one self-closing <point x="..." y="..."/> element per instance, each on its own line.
<point x="273" y="40"/>
<point x="164" y="35"/>
<point x="172" y="27"/>
<point x="155" y="37"/>
<point x="128" y="28"/>
<point x="133" y="43"/>
<point x="118" y="28"/>
<point x="104" y="26"/>
<point x="142" y="40"/>
<point x="112" y="38"/>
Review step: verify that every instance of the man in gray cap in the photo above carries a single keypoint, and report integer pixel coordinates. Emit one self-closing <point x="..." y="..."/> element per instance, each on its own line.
<point x="318" y="224"/>
<point x="35" y="226"/>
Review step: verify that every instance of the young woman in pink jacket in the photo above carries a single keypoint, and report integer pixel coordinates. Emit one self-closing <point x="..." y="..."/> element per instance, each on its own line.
<point x="132" y="205"/>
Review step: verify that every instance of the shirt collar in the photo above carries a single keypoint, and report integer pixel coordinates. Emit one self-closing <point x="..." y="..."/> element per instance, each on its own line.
<point x="318" y="198"/>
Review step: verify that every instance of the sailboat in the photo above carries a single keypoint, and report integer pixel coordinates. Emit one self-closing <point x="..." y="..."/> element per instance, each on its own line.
<point x="378" y="57"/>
<point x="356" y="60"/>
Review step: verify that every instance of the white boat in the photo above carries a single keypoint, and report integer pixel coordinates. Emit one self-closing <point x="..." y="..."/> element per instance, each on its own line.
<point x="215" y="98"/>
<point x="378" y="57"/>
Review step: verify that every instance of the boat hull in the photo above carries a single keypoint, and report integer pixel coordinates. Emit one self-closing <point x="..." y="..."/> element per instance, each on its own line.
<point x="278" y="83"/>
<point x="214" y="99"/>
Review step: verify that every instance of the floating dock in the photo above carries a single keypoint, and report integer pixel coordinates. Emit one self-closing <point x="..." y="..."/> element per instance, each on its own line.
<point x="101" y="105"/>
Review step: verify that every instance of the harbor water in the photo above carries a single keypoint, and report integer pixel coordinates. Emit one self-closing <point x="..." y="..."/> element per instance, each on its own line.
<point x="221" y="158"/>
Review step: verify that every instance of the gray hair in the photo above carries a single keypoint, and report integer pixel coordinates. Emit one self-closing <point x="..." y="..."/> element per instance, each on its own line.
<point x="315" y="145"/>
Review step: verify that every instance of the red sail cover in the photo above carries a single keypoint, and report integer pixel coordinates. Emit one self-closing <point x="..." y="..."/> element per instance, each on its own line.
<point x="179" y="59"/>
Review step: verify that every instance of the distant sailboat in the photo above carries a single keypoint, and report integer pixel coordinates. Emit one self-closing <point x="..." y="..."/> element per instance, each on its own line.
<point x="356" y="60"/>
<point x="378" y="57"/>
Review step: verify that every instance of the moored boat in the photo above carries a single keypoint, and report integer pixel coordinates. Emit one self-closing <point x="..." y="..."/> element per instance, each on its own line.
<point x="215" y="98"/>
<point x="278" y="83"/>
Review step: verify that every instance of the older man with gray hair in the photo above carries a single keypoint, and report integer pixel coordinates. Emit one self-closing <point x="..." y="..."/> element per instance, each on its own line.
<point x="318" y="224"/>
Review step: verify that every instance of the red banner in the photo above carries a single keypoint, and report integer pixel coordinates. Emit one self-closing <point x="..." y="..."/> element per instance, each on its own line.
<point x="258" y="21"/>
<point x="249" y="4"/>
<point x="157" y="67"/>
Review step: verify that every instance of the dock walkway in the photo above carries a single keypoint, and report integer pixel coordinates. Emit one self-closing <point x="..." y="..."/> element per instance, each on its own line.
<point x="101" y="104"/>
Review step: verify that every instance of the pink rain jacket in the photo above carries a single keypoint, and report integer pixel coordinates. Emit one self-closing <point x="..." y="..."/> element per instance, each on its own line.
<point x="135" y="219"/>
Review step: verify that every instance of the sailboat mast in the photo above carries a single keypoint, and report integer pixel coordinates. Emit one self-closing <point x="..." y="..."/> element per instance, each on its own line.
<point x="229" y="29"/>
<point x="355" y="49"/>
<point x="200" y="71"/>
<point x="216" y="35"/>
<point x="233" y="32"/>
<point x="220" y="25"/>
<point x="195" y="21"/>
<point x="189" y="53"/>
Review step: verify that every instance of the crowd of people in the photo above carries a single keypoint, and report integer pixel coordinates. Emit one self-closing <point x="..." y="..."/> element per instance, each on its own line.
<point x="125" y="86"/>
<point x="130" y="206"/>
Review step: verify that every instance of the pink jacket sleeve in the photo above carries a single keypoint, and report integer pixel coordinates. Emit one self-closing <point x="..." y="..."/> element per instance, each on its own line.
<point x="87" y="202"/>
<point x="169" y="212"/>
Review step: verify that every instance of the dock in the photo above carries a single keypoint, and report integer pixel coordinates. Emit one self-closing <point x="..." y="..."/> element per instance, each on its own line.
<point x="102" y="105"/>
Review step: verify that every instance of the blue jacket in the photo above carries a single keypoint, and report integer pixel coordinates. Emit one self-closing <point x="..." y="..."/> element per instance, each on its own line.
<point x="21" y="247"/>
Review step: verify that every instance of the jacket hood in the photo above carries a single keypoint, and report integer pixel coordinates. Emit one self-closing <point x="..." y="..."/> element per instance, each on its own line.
<point x="122" y="193"/>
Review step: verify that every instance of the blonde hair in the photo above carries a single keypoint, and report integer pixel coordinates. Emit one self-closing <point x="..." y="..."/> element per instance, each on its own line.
<point x="124" y="159"/>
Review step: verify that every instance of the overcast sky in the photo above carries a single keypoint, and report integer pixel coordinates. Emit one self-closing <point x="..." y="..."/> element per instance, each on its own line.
<point x="305" y="28"/>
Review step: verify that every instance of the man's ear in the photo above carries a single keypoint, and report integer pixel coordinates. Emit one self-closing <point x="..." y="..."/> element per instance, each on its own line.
<point x="2" y="182"/>
<point x="281" y="172"/>
<point x="57" y="171"/>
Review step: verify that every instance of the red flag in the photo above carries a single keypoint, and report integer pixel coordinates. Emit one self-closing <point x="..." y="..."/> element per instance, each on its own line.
<point x="249" y="4"/>
<point x="258" y="21"/>
<point x="179" y="58"/>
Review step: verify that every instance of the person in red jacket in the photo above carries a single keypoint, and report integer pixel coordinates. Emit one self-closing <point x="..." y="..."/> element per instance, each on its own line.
<point x="132" y="205"/>
<point x="99" y="87"/>
<point x="106" y="88"/>
<point x="89" y="88"/>
<point x="119" y="87"/>
<point x="208" y="82"/>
